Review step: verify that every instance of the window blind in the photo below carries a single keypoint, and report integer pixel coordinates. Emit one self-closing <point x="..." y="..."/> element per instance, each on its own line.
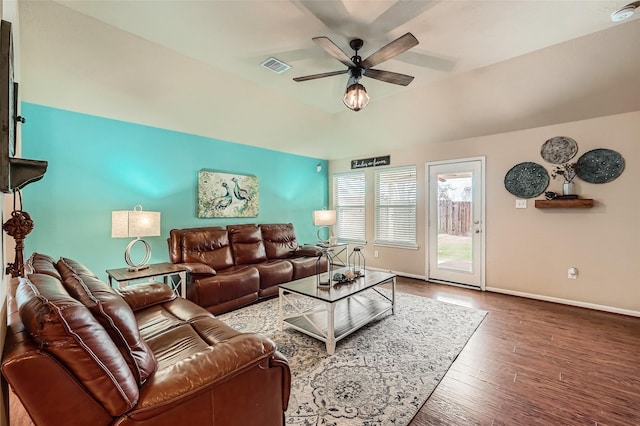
<point x="348" y="201"/>
<point x="395" y="206"/>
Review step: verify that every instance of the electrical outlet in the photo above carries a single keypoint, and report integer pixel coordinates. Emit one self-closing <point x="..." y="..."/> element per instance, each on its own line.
<point x="572" y="273"/>
<point x="375" y="253"/>
<point x="521" y="204"/>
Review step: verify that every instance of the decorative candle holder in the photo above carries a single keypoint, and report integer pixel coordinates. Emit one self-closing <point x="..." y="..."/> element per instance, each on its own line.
<point x="324" y="280"/>
<point x="357" y="262"/>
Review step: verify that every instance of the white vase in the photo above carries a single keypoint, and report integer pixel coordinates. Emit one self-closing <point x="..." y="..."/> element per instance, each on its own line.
<point x="568" y="188"/>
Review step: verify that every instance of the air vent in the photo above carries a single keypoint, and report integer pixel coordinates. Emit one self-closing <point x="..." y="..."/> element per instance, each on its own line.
<point x="276" y="65"/>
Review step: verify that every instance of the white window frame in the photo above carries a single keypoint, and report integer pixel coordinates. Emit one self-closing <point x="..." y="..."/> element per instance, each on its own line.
<point x="396" y="191"/>
<point x="349" y="202"/>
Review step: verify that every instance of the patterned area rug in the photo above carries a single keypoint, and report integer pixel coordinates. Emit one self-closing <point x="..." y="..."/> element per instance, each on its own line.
<point x="379" y="375"/>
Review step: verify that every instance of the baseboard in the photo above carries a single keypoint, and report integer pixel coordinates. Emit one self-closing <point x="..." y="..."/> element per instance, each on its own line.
<point x="399" y="273"/>
<point x="579" y="304"/>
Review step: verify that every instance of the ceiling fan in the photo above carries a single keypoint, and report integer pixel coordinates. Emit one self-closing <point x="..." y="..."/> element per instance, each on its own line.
<point x="356" y="96"/>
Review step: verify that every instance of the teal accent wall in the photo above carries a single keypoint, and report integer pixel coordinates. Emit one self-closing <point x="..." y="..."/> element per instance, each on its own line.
<point x="97" y="165"/>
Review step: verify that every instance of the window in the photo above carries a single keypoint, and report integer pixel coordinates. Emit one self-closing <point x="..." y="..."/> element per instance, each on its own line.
<point x="395" y="209"/>
<point x="348" y="201"/>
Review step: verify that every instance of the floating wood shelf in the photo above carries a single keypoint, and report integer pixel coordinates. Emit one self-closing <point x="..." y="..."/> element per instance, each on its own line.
<point x="578" y="203"/>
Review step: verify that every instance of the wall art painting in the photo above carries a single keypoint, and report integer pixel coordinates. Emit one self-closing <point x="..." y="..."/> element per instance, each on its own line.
<point x="227" y="195"/>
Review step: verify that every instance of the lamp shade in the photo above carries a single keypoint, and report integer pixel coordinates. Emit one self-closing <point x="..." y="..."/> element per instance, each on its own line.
<point x="356" y="97"/>
<point x="135" y="223"/>
<point x="324" y="217"/>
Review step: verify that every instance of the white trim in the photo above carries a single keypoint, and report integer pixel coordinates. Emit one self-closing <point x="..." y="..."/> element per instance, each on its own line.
<point x="395" y="246"/>
<point x="400" y="274"/>
<point x="483" y="209"/>
<point x="577" y="303"/>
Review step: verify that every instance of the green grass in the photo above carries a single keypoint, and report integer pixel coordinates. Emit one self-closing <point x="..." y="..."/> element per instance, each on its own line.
<point x="454" y="251"/>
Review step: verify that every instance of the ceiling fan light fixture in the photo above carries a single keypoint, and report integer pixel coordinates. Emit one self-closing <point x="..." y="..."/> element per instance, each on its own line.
<point x="356" y="97"/>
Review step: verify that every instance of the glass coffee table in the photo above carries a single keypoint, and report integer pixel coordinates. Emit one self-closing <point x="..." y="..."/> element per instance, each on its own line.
<point x="344" y="308"/>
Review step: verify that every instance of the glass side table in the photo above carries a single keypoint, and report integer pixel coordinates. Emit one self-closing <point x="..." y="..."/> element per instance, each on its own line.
<point x="339" y="254"/>
<point x="164" y="271"/>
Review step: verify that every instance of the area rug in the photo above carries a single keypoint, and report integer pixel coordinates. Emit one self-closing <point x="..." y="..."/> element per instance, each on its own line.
<point x="379" y="375"/>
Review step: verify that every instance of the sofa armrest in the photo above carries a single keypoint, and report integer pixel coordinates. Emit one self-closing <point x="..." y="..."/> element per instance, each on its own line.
<point x="308" y="250"/>
<point x="202" y="372"/>
<point x="198" y="268"/>
<point x="144" y="295"/>
<point x="279" y="361"/>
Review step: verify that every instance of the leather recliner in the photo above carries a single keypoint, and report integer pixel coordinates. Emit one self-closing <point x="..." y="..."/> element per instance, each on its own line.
<point x="78" y="352"/>
<point x="241" y="264"/>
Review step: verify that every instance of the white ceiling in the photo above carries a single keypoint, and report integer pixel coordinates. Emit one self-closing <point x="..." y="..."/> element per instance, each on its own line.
<point x="482" y="67"/>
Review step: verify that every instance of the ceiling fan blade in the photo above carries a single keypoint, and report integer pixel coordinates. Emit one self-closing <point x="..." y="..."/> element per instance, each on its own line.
<point x="389" y="77"/>
<point x="333" y="14"/>
<point x="321" y="75"/>
<point x="396" y="47"/>
<point x="399" y="14"/>
<point x="332" y="49"/>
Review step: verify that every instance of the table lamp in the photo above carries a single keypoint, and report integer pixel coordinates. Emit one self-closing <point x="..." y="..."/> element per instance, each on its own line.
<point x="135" y="224"/>
<point x="325" y="219"/>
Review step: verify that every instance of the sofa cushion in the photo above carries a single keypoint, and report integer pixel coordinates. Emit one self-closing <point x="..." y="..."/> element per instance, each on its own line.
<point x="279" y="240"/>
<point x="246" y="242"/>
<point x="308" y="266"/>
<point x="117" y="317"/>
<point x="41" y="264"/>
<point x="207" y="246"/>
<point x="272" y="273"/>
<point x="236" y="286"/>
<point x="176" y="241"/>
<point x="68" y="267"/>
<point x="142" y="296"/>
<point x="65" y="328"/>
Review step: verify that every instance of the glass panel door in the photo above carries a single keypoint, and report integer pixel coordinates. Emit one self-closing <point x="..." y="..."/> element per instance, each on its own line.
<point x="456" y="236"/>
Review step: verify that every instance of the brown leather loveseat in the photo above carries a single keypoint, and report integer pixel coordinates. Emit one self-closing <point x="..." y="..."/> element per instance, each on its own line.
<point x="238" y="265"/>
<point x="78" y="352"/>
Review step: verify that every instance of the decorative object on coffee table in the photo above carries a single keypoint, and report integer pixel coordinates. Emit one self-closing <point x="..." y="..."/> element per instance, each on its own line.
<point x="526" y="180"/>
<point x="559" y="149"/>
<point x="600" y="165"/>
<point x="324" y="280"/>
<point x="357" y="262"/>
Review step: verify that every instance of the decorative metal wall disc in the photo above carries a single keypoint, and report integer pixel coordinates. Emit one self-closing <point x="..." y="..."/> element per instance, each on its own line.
<point x="526" y="180"/>
<point x="559" y="149"/>
<point x="600" y="165"/>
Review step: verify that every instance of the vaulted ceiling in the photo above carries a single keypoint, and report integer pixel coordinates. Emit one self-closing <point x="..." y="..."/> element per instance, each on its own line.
<point x="481" y="67"/>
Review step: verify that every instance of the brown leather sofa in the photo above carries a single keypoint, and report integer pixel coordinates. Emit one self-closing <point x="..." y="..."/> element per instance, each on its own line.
<point x="241" y="264"/>
<point x="78" y="352"/>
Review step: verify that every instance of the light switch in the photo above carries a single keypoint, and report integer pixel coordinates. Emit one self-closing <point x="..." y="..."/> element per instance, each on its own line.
<point x="521" y="204"/>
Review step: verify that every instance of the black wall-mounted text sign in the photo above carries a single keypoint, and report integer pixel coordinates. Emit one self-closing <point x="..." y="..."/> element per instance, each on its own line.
<point x="371" y="162"/>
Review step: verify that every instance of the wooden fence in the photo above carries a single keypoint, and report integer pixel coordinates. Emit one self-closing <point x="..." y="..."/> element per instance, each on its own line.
<point x="454" y="217"/>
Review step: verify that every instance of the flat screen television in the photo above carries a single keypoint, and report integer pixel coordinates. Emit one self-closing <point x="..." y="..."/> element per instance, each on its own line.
<point x="15" y="173"/>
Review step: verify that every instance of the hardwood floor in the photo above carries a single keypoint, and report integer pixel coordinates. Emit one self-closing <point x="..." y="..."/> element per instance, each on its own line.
<point x="529" y="363"/>
<point x="536" y="363"/>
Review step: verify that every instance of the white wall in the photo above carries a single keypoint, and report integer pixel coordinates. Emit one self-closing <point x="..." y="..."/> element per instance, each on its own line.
<point x="529" y="251"/>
